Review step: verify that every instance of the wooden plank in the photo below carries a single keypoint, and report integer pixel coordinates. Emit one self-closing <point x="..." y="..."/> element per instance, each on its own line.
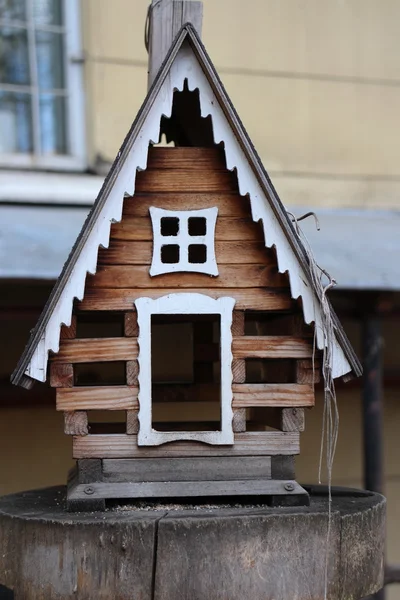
<point x="76" y="423"/>
<point x="272" y="394"/>
<point x="132" y="372"/>
<point x="96" y="350"/>
<point x="68" y="333"/>
<point x="238" y="370"/>
<point x="61" y="375"/>
<point x="172" y="489"/>
<point x="283" y="467"/>
<point x="237" y="323"/>
<point x="89" y="470"/>
<point x="271" y="347"/>
<point x="98" y="398"/>
<point x="265" y="443"/>
<point x="187" y="469"/>
<point x="123" y="252"/>
<point x="239" y="420"/>
<point x="132" y="422"/>
<point x="185" y="180"/>
<point x="227" y="229"/>
<point x="229" y="204"/>
<point x="230" y="276"/>
<point x="292" y="419"/>
<point x="131" y="328"/>
<point x="306" y="372"/>
<point x="121" y="299"/>
<point x="186" y="158"/>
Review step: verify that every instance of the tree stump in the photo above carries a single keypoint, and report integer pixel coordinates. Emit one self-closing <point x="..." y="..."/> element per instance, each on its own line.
<point x="173" y="552"/>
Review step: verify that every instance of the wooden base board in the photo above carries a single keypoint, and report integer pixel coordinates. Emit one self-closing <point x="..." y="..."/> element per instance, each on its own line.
<point x="94" y="481"/>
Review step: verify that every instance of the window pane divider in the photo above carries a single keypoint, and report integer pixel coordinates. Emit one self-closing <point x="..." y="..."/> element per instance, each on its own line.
<point x="34" y="82"/>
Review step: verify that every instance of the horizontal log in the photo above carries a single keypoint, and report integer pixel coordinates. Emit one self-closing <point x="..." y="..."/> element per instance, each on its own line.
<point x="272" y="394"/>
<point x="186" y="157"/>
<point x="227" y="229"/>
<point x="229" y="204"/>
<point x="271" y="347"/>
<point x="137" y="276"/>
<point x="208" y="468"/>
<point x="246" y="298"/>
<point x="113" y="397"/>
<point x="128" y="252"/>
<point x="264" y="443"/>
<point x="185" y="180"/>
<point x="96" y="350"/>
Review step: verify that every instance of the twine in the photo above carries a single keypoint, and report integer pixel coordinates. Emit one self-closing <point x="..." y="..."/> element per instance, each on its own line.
<point x="330" y="418"/>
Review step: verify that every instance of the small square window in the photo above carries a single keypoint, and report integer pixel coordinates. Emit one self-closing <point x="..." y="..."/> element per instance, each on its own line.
<point x="197" y="226"/>
<point x="170" y="254"/>
<point x="183" y="241"/>
<point x="197" y="254"/>
<point x="170" y="226"/>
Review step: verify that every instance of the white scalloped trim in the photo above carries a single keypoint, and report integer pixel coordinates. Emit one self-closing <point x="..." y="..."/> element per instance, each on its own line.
<point x="185" y="66"/>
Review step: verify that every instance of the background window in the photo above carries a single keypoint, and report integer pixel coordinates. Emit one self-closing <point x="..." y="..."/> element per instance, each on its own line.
<point x="40" y="88"/>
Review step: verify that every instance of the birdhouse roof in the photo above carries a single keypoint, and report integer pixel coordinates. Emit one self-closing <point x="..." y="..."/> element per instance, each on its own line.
<point x="187" y="63"/>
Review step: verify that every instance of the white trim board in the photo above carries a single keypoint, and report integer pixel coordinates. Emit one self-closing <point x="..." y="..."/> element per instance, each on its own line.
<point x="185" y="66"/>
<point x="184" y="304"/>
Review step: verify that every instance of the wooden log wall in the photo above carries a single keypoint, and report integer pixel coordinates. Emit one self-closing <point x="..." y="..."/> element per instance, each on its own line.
<point x="183" y="179"/>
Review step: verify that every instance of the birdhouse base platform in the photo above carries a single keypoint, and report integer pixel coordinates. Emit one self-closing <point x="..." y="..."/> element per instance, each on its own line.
<point x="210" y="550"/>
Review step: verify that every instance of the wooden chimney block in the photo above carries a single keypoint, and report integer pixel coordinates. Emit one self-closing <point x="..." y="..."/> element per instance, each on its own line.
<point x="68" y="333"/>
<point x="61" y="375"/>
<point x="76" y="423"/>
<point x="292" y="419"/>
<point x="239" y="420"/>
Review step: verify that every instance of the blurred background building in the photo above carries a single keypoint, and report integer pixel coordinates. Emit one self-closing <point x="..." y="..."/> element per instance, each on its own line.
<point x="317" y="85"/>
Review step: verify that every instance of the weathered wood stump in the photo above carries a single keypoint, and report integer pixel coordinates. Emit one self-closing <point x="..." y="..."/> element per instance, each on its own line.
<point x="206" y="552"/>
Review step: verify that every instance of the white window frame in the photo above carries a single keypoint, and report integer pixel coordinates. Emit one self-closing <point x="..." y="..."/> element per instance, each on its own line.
<point x="181" y="304"/>
<point x="183" y="240"/>
<point x="76" y="157"/>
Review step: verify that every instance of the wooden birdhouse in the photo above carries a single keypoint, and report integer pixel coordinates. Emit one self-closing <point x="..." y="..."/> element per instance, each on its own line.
<point x="186" y="330"/>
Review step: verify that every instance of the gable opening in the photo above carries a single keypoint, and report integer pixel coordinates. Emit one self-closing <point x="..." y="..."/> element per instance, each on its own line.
<point x="185" y="367"/>
<point x="186" y="126"/>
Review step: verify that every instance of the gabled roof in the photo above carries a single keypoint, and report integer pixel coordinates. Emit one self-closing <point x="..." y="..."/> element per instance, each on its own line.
<point x="188" y="61"/>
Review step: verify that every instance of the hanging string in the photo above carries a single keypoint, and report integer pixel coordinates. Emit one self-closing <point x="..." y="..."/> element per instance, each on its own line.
<point x="330" y="418"/>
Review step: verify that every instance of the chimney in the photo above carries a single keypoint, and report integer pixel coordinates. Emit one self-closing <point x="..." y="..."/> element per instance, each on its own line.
<point x="165" y="19"/>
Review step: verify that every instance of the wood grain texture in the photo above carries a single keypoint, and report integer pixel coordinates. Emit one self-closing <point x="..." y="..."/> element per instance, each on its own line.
<point x="271" y="347"/>
<point x="131" y="328"/>
<point x="230" y="276"/>
<point x="96" y="350"/>
<point x="122" y="252"/>
<point x="121" y="299"/>
<point x="238" y="370"/>
<point x="185" y="180"/>
<point x="172" y="489"/>
<point x="239" y="420"/>
<point x="98" y="398"/>
<point x="76" y="423"/>
<point x="230" y="204"/>
<point x="237" y="326"/>
<point x="306" y="372"/>
<point x="272" y="394"/>
<point x="227" y="229"/>
<point x="292" y="419"/>
<point x="132" y="422"/>
<point x="187" y="469"/>
<point x="132" y="372"/>
<point x="61" y="375"/>
<point x="68" y="333"/>
<point x="186" y="158"/>
<point x="265" y="443"/>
